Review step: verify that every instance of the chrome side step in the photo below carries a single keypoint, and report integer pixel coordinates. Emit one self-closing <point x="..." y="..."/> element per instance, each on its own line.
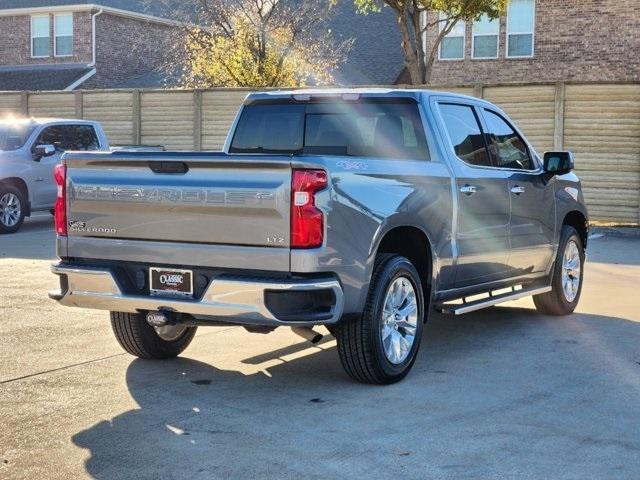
<point x="466" y="307"/>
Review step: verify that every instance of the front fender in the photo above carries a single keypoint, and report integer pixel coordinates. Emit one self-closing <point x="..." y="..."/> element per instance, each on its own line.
<point x="13" y="166"/>
<point x="569" y="198"/>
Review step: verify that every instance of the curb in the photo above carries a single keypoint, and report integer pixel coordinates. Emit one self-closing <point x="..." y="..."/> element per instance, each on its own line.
<point x="618" y="232"/>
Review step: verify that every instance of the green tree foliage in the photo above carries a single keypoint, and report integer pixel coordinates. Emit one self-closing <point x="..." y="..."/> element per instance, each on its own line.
<point x="412" y="21"/>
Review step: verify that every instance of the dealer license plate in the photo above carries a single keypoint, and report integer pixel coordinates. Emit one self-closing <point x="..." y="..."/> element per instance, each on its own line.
<point x="171" y="282"/>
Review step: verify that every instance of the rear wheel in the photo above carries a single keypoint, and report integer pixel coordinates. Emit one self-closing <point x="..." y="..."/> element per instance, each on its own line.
<point x="568" y="273"/>
<point x="381" y="345"/>
<point x="139" y="338"/>
<point x="12" y="209"/>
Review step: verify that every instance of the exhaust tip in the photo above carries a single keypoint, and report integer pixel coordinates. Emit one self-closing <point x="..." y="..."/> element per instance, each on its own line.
<point x="308" y="334"/>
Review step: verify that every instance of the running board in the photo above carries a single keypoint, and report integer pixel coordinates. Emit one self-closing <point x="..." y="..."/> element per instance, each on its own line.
<point x="466" y="307"/>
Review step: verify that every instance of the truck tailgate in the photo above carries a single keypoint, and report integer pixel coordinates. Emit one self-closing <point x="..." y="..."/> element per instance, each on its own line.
<point x="211" y="199"/>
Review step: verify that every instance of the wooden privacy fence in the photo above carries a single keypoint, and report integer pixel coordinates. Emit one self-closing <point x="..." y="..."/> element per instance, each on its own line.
<point x="600" y="123"/>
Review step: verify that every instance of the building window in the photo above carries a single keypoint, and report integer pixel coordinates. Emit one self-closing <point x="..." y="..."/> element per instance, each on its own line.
<point x="63" y="29"/>
<point x="520" y="28"/>
<point x="485" y="38"/>
<point x="452" y="45"/>
<point x="40" y="39"/>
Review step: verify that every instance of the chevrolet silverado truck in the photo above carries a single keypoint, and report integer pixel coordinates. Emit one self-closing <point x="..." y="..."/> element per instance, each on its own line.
<point x="29" y="151"/>
<point x="359" y="210"/>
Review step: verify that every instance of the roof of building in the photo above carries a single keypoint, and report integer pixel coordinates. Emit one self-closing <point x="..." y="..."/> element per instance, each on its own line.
<point x="138" y="6"/>
<point x="376" y="57"/>
<point x="147" y="80"/>
<point x="41" y="77"/>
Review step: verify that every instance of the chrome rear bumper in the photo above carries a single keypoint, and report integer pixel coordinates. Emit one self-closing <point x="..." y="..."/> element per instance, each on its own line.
<point x="235" y="300"/>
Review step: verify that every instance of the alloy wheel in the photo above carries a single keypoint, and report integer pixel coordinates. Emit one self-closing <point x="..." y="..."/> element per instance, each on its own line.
<point x="571" y="269"/>
<point x="399" y="320"/>
<point x="10" y="210"/>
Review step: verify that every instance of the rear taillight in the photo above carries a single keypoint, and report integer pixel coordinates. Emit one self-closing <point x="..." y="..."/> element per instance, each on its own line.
<point x="59" y="210"/>
<point x="307" y="221"/>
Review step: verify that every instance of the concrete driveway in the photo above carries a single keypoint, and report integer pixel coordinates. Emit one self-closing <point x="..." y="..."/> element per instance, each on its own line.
<point x="504" y="393"/>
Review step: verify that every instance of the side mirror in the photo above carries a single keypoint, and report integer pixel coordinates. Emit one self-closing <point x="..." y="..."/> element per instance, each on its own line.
<point x="558" y="163"/>
<point x="41" y="151"/>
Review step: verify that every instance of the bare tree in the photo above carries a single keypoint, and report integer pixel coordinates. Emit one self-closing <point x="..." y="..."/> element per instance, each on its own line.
<point x="254" y="43"/>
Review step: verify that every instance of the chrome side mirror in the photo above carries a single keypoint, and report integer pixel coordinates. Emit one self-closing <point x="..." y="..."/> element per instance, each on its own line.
<point x="41" y="151"/>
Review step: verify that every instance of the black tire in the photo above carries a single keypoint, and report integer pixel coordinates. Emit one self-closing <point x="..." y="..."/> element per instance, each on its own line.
<point x="19" y="194"/>
<point x="359" y="339"/>
<point x="139" y="338"/>
<point x="556" y="302"/>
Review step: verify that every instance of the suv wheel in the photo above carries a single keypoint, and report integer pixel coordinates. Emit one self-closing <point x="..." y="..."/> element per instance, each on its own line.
<point x="139" y="338"/>
<point x="381" y="345"/>
<point x="12" y="209"/>
<point x="568" y="273"/>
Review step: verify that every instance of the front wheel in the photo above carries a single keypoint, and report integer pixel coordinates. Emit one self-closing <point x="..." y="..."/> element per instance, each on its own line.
<point x="12" y="209"/>
<point x="380" y="346"/>
<point x="139" y="338"/>
<point x="568" y="273"/>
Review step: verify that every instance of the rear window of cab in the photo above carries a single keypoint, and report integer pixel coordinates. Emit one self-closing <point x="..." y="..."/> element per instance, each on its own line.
<point x="366" y="128"/>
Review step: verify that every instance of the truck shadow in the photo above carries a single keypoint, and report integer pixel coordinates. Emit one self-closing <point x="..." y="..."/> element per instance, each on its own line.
<point x="500" y="375"/>
<point x="34" y="241"/>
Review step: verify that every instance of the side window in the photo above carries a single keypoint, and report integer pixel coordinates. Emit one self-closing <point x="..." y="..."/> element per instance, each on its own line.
<point x="507" y="147"/>
<point x="520" y="27"/>
<point x="452" y="45"/>
<point x="465" y="133"/>
<point x="485" y="38"/>
<point x="52" y="136"/>
<point x="40" y="40"/>
<point x="80" y="137"/>
<point x="69" y="137"/>
<point x="63" y="41"/>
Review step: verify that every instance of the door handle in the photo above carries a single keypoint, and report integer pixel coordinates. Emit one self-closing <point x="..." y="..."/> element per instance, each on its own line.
<point x="468" y="189"/>
<point x="517" y="190"/>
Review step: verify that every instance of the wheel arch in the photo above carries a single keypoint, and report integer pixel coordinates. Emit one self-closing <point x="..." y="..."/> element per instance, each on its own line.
<point x="20" y="184"/>
<point x="578" y="220"/>
<point x="414" y="244"/>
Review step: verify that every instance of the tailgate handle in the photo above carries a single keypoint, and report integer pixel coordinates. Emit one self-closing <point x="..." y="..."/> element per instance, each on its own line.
<point x="169" y="167"/>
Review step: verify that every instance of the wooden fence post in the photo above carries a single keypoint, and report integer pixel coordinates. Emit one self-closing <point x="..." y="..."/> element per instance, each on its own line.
<point x="558" y="118"/>
<point x="197" y="120"/>
<point x="136" y="134"/>
<point x="79" y="104"/>
<point x="24" y="103"/>
<point x="478" y="90"/>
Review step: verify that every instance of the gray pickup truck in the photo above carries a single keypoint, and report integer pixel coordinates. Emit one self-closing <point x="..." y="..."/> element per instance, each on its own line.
<point x="359" y="210"/>
<point x="29" y="151"/>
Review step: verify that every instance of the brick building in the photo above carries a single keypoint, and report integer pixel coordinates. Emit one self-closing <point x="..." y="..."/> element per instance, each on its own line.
<point x="69" y="44"/>
<point x="543" y="41"/>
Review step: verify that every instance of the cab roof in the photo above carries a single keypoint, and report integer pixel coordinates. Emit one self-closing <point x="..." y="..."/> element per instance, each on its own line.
<point x="307" y="94"/>
<point x="42" y="121"/>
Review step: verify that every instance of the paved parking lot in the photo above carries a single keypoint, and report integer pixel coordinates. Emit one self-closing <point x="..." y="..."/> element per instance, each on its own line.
<point x="503" y="393"/>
